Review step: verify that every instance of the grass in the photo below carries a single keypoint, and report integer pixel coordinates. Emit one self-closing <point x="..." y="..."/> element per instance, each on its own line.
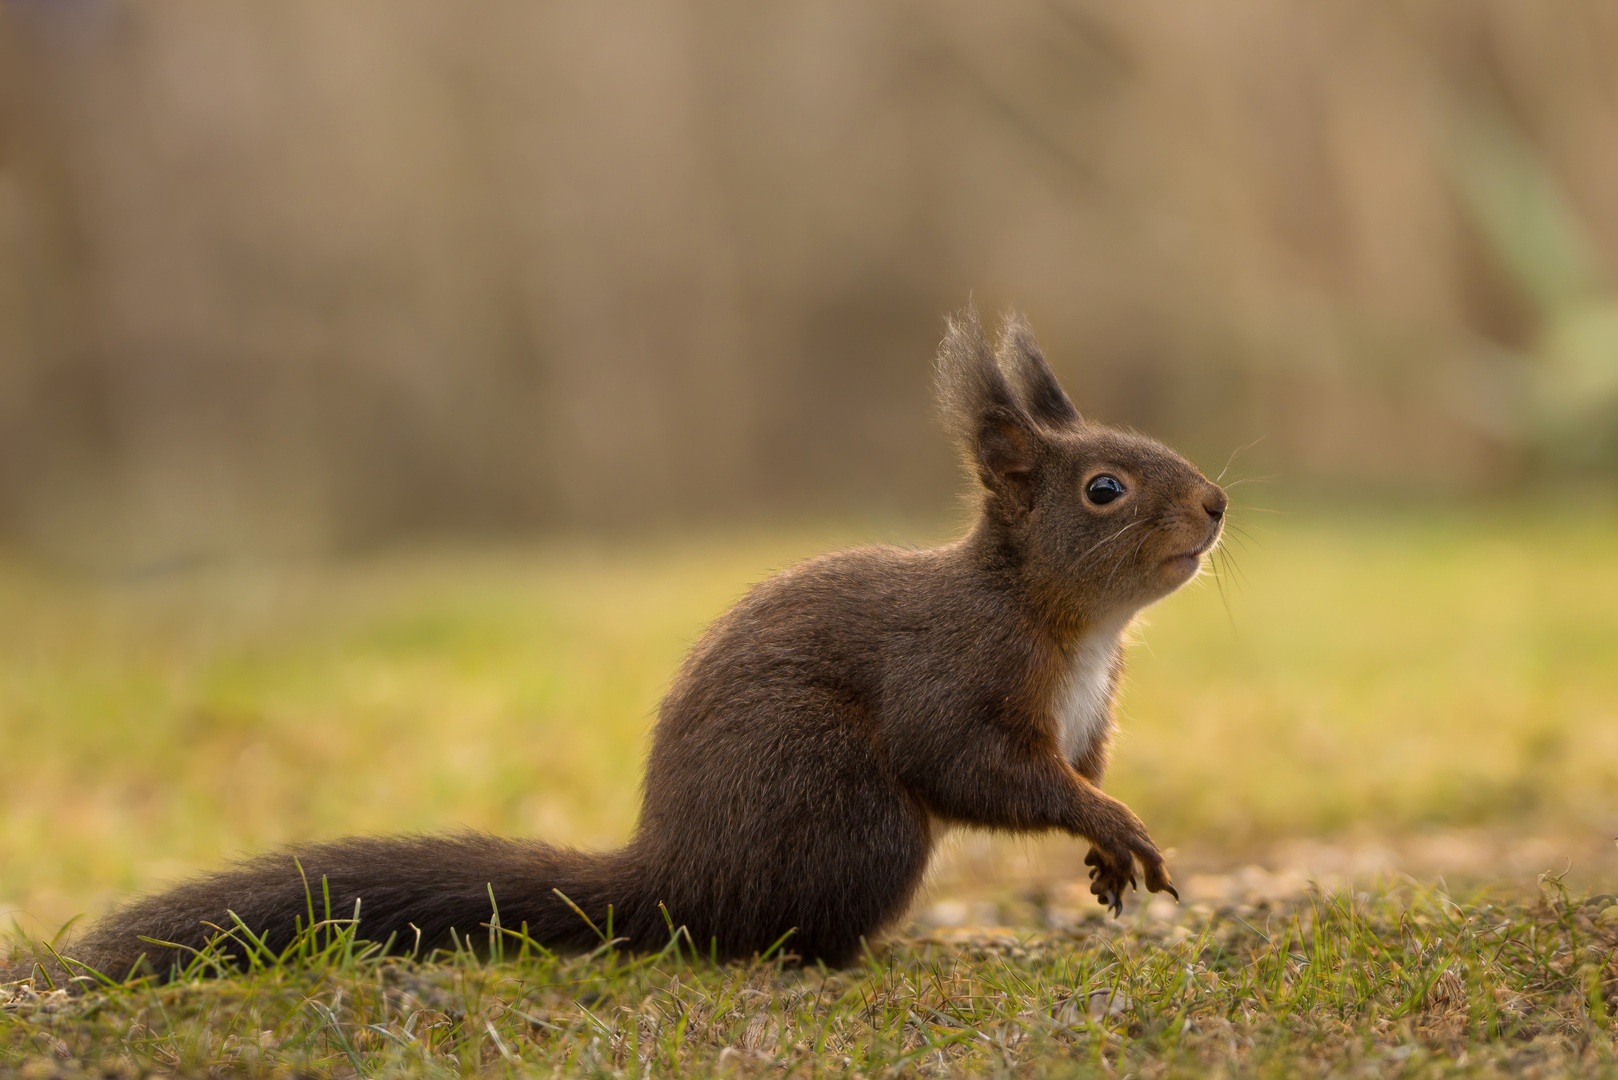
<point x="1360" y="673"/>
<point x="1407" y="982"/>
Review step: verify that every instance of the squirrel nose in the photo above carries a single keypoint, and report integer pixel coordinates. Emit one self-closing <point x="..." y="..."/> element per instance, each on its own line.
<point x="1215" y="504"/>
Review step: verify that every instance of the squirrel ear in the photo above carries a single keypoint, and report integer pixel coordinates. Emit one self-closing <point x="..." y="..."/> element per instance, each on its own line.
<point x="1005" y="452"/>
<point x="996" y="436"/>
<point x="1035" y="382"/>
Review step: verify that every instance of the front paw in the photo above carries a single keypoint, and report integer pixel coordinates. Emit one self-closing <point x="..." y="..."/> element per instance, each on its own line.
<point x="1112" y="870"/>
<point x="1110" y="875"/>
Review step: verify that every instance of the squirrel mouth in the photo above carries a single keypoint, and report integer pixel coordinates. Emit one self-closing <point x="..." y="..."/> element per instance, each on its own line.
<point x="1190" y="560"/>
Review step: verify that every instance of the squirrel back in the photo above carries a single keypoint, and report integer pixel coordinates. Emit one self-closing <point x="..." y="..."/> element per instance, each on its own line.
<point x="824" y="732"/>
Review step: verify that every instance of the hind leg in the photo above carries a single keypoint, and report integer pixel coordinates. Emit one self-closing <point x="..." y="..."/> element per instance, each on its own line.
<point x="806" y="837"/>
<point x="859" y="877"/>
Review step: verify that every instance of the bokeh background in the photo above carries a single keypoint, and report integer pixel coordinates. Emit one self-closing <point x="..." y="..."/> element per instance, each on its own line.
<point x="389" y="391"/>
<point x="310" y="275"/>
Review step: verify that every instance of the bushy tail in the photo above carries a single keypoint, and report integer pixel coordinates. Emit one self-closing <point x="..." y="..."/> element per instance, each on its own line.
<point x="419" y="892"/>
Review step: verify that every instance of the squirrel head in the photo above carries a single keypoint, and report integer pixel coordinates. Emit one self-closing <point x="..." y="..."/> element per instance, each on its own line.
<point x="1097" y="521"/>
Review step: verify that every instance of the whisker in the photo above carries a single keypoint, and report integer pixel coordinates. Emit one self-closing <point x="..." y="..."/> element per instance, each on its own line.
<point x="1247" y="528"/>
<point x="1238" y="531"/>
<point x="1119" y="563"/>
<point x="1219" y="580"/>
<point x="1242" y="540"/>
<point x="1235" y="567"/>
<point x="1114" y="536"/>
<point x="1232" y="460"/>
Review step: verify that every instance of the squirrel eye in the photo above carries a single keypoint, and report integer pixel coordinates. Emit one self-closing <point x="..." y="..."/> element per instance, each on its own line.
<point x="1103" y="489"/>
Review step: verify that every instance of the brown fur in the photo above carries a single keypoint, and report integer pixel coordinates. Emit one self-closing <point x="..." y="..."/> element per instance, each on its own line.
<point x="824" y="732"/>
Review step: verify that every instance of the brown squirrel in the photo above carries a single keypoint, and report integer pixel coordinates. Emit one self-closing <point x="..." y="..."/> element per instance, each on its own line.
<point x="824" y="732"/>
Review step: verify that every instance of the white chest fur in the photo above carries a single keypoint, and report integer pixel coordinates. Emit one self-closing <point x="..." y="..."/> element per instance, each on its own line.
<point x="1083" y="696"/>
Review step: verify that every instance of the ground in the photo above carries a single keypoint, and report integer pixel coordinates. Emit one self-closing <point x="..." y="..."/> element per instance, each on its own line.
<point x="1364" y="743"/>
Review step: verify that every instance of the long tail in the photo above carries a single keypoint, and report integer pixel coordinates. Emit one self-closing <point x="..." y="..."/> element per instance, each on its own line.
<point x="414" y="890"/>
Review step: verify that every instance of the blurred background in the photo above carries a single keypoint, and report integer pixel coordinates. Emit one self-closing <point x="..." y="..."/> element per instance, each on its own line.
<point x="305" y="276"/>
<point x="391" y="390"/>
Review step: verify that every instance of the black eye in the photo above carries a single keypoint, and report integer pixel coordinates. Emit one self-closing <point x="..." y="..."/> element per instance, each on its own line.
<point x="1103" y="489"/>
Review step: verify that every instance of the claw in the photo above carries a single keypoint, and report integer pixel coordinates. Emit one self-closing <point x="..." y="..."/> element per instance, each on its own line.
<point x="1158" y="881"/>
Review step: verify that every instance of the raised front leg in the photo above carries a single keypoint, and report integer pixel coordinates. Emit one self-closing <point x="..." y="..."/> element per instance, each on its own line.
<point x="1107" y="881"/>
<point x="1009" y="780"/>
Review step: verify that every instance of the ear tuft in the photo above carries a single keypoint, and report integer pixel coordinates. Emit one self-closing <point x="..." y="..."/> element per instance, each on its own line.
<point x="1032" y="378"/>
<point x="995" y="434"/>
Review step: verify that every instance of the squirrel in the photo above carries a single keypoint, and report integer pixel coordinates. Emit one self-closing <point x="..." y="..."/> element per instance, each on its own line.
<point x="825" y="732"/>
